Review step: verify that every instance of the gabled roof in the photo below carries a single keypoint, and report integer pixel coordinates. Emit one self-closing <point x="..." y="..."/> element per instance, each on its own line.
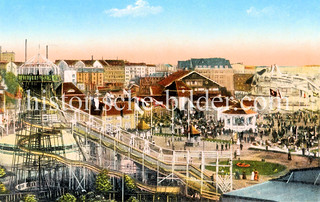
<point x="237" y="109"/>
<point x="173" y="77"/>
<point x="135" y="64"/>
<point x="180" y="75"/>
<point x="71" y="62"/>
<point x="18" y="63"/>
<point x="70" y="89"/>
<point x="103" y="62"/>
<point x="115" y="62"/>
<point x="156" y="90"/>
<point x="88" y="62"/>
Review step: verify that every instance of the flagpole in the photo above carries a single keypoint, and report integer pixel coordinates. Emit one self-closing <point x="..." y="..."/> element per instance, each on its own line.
<point x="189" y="122"/>
<point x="172" y="126"/>
<point x="151" y="118"/>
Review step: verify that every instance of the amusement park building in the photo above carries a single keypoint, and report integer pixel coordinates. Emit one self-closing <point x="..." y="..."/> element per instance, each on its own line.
<point x="217" y="69"/>
<point x="300" y="91"/>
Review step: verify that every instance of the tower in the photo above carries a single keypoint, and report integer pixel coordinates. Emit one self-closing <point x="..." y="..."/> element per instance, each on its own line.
<point x="39" y="134"/>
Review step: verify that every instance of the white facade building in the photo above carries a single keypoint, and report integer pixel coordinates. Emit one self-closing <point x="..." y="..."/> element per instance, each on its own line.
<point x="134" y="70"/>
<point x="70" y="75"/>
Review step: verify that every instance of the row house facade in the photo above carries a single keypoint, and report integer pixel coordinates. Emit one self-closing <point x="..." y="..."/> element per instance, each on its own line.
<point x="86" y="74"/>
<point x="114" y="73"/>
<point x="10" y="66"/>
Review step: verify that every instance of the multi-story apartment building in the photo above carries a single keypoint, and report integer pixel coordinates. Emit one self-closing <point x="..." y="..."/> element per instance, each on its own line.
<point x="7" y="56"/>
<point x="217" y="69"/>
<point x="151" y="69"/>
<point x="166" y="68"/>
<point x="114" y="73"/>
<point x="138" y="70"/>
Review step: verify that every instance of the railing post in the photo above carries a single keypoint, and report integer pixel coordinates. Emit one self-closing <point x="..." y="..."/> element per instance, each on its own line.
<point x="202" y="170"/>
<point x="157" y="172"/>
<point x="173" y="163"/>
<point x="143" y="177"/>
<point x="231" y="165"/>
<point x="217" y="171"/>
<point x="187" y="171"/>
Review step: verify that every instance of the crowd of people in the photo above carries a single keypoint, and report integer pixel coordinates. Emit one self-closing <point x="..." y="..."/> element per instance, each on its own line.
<point x="295" y="131"/>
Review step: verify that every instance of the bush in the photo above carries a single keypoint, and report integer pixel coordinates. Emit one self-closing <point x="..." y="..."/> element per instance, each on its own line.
<point x="67" y="198"/>
<point x="3" y="189"/>
<point x="30" y="198"/>
<point x="132" y="199"/>
<point x="2" y="172"/>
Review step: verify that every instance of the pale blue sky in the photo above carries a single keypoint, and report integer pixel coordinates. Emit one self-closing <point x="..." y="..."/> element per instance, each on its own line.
<point x="178" y="29"/>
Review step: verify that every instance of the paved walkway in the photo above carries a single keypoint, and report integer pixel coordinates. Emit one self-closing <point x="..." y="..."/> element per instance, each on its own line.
<point x="246" y="154"/>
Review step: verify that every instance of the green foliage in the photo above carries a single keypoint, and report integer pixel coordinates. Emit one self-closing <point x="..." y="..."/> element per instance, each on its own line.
<point x="129" y="182"/>
<point x="132" y="199"/>
<point x="30" y="198"/>
<point x="12" y="85"/>
<point x="67" y="198"/>
<point x="2" y="172"/>
<point x="264" y="168"/>
<point x="3" y="189"/>
<point x="103" y="184"/>
<point x="93" y="197"/>
<point x="216" y="140"/>
<point x="11" y="82"/>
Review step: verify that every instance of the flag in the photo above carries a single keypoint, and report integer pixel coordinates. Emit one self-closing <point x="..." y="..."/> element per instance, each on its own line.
<point x="141" y="100"/>
<point x="279" y="94"/>
<point x="273" y="93"/>
<point x="157" y="103"/>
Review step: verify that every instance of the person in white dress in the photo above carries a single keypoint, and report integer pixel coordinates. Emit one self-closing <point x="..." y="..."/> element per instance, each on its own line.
<point x="252" y="175"/>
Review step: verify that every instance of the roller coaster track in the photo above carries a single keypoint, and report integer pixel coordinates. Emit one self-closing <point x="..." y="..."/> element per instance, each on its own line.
<point x="23" y="141"/>
<point x="156" y="158"/>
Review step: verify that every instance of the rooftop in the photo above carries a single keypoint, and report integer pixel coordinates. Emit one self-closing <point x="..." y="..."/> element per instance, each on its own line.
<point x="173" y="77"/>
<point x="204" y="63"/>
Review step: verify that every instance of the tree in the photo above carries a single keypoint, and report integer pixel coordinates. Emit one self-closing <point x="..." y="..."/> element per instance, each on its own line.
<point x="2" y="172"/>
<point x="103" y="184"/>
<point x="67" y="198"/>
<point x="132" y="199"/>
<point x="30" y="198"/>
<point x="2" y="188"/>
<point x="12" y="85"/>
<point x="131" y="186"/>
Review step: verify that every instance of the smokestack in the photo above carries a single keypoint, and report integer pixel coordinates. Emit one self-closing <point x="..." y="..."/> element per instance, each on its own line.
<point x="0" y="52"/>
<point x="25" y="51"/>
<point x="47" y="52"/>
<point x="92" y="57"/>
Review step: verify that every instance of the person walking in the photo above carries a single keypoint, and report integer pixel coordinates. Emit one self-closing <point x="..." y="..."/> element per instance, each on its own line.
<point x="252" y="175"/>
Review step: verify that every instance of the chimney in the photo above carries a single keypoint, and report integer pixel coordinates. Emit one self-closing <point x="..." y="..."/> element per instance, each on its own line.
<point x="47" y="52"/>
<point x="25" y="51"/>
<point x="0" y="52"/>
<point x="92" y="57"/>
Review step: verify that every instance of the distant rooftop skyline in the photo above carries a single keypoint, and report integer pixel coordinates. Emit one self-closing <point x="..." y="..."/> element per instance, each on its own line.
<point x="254" y="32"/>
